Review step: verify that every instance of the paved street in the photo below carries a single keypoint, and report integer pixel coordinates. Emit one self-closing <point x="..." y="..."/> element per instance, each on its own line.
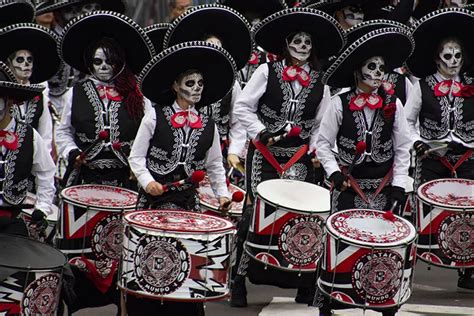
<point x="434" y="293"/>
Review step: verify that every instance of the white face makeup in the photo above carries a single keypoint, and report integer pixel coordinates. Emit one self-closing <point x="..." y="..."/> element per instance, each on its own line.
<point x="300" y="46"/>
<point x="22" y="65"/>
<point x="372" y="72"/>
<point x="214" y="40"/>
<point x="456" y="3"/>
<point x="102" y="70"/>
<point x="450" y="60"/>
<point x="3" y="107"/>
<point x="353" y="15"/>
<point x="190" y="88"/>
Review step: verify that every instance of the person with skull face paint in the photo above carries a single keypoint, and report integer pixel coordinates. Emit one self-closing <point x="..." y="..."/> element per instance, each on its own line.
<point x="369" y="114"/>
<point x="441" y="107"/>
<point x="280" y="96"/>
<point x="174" y="140"/>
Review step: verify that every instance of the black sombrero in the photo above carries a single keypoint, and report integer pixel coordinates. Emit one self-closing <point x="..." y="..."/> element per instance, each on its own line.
<point x="215" y="63"/>
<point x="259" y="8"/>
<point x="430" y="30"/>
<point x="425" y="7"/>
<point x="9" y="86"/>
<point x="359" y="30"/>
<point x="40" y="41"/>
<point x="16" y="11"/>
<point x="328" y="36"/>
<point x="393" y="44"/>
<point x="212" y="19"/>
<point x="91" y="27"/>
<point x="156" y="34"/>
<point x="53" y="5"/>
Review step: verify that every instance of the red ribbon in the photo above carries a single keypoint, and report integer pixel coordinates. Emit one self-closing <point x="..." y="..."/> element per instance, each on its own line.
<point x="355" y="186"/>
<point x="272" y="161"/>
<point x="9" y="140"/>
<point x="443" y="88"/>
<point x="254" y="59"/>
<point x="372" y="101"/>
<point x="461" y="160"/>
<point x="182" y="118"/>
<point x="292" y="73"/>
<point x="109" y="92"/>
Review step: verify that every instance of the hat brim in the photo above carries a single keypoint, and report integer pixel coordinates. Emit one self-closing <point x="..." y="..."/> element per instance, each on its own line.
<point x="326" y="33"/>
<point x="262" y="8"/>
<point x="228" y="25"/>
<point x="432" y="29"/>
<point x="16" y="11"/>
<point x="91" y="27"/>
<point x="39" y="41"/>
<point x="393" y="44"/>
<point x="156" y="33"/>
<point x="20" y="92"/>
<point x="359" y="30"/>
<point x="215" y="64"/>
<point x="106" y="5"/>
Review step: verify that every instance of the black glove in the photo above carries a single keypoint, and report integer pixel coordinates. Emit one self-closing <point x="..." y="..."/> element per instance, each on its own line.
<point x="264" y="136"/>
<point x="71" y="159"/>
<point x="420" y="147"/>
<point x="396" y="195"/>
<point x="38" y="224"/>
<point x="337" y="178"/>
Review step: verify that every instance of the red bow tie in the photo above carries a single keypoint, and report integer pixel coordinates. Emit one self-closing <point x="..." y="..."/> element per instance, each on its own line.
<point x="254" y="59"/>
<point x="272" y="57"/>
<point x="293" y="73"/>
<point x="182" y="118"/>
<point x="9" y="140"/>
<point x="372" y="101"/>
<point x="109" y="92"/>
<point x="444" y="87"/>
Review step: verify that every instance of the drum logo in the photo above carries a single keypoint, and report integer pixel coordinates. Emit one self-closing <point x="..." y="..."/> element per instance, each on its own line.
<point x="40" y="297"/>
<point x="376" y="276"/>
<point x="162" y="264"/>
<point x="456" y="237"/>
<point x="301" y="240"/>
<point x="107" y="237"/>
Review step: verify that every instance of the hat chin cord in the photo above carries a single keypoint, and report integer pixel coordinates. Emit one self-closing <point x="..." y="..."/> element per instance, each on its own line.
<point x="111" y="79"/>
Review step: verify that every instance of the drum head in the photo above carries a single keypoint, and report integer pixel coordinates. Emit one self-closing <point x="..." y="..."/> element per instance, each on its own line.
<point x="456" y="194"/>
<point x="178" y="221"/>
<point x="368" y="228"/>
<point x="208" y="200"/>
<point x="25" y="254"/>
<point x="100" y="197"/>
<point x="295" y="195"/>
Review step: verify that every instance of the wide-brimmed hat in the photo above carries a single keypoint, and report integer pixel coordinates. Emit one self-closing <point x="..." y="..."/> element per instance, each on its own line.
<point x="156" y="33"/>
<point x="425" y="7"/>
<point x="91" y="27"/>
<point x="16" y="11"/>
<point x="393" y="44"/>
<point x="40" y="41"/>
<point x="359" y="30"/>
<point x="227" y="24"/>
<point x="434" y="27"/>
<point x="215" y="64"/>
<point x="9" y="86"/>
<point x="327" y="35"/>
<point x="53" y="5"/>
<point x="260" y="8"/>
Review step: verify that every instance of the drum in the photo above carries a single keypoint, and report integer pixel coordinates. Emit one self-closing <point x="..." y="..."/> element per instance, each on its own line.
<point x="210" y="204"/>
<point x="287" y="227"/>
<point x="52" y="218"/>
<point x="446" y="223"/>
<point x="409" y="204"/>
<point x="176" y="255"/>
<point x="369" y="260"/>
<point x="30" y="277"/>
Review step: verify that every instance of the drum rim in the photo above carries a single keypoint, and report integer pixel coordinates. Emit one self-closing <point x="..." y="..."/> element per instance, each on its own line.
<point x="364" y="244"/>
<point x="97" y="208"/>
<point x="441" y="265"/>
<point x="234" y="213"/>
<point x="211" y="207"/>
<point x="126" y="221"/>
<point x="425" y="199"/>
<point x="164" y="298"/>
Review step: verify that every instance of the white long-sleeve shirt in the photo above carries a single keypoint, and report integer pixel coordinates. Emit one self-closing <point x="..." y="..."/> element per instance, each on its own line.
<point x="237" y="133"/>
<point x="329" y="129"/>
<point x="213" y="163"/>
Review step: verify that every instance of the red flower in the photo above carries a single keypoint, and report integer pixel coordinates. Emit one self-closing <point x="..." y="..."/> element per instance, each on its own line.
<point x="37" y="98"/>
<point x="389" y="110"/>
<point x="388" y="87"/>
<point x="467" y="91"/>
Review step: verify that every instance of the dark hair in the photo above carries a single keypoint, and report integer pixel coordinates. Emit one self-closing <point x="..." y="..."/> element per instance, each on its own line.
<point x="313" y="60"/>
<point x="186" y="73"/>
<point x="466" y="62"/>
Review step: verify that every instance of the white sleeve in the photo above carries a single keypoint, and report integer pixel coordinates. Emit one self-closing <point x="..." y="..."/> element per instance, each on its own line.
<point x="246" y="105"/>
<point x="65" y="132"/>
<point x="137" y="157"/>
<point x="323" y="106"/>
<point x="412" y="110"/>
<point x="45" y="124"/>
<point x="43" y="170"/>
<point x="147" y="106"/>
<point x="237" y="134"/>
<point x="332" y="120"/>
<point x="408" y="88"/>
<point x="401" y="146"/>
<point x="215" y="168"/>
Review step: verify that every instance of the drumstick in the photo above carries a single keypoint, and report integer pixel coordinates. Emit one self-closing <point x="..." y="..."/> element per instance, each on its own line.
<point x="236" y="197"/>
<point x="359" y="150"/>
<point x="293" y="132"/>
<point x="449" y="145"/>
<point x="388" y="215"/>
<point x="195" y="178"/>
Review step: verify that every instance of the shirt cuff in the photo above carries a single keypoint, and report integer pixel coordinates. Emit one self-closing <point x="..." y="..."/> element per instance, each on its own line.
<point x="399" y="181"/>
<point x="257" y="130"/>
<point x="67" y="151"/>
<point x="331" y="168"/>
<point x="44" y="207"/>
<point x="145" y="179"/>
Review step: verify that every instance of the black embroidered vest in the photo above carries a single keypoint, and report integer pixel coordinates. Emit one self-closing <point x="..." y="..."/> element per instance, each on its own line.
<point x="399" y="85"/>
<point x="170" y="155"/>
<point x="33" y="111"/>
<point x="220" y="114"/>
<point x="246" y="73"/>
<point x="439" y="116"/>
<point x="17" y="166"/>
<point x="378" y="137"/>
<point x="89" y="116"/>
<point x="278" y="106"/>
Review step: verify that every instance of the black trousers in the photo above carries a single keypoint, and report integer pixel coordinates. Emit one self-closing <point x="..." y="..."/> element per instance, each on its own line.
<point x="143" y="306"/>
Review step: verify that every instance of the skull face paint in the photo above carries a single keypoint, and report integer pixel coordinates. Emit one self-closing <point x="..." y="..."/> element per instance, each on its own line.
<point x="450" y="59"/>
<point x="102" y="69"/>
<point x="353" y="15"/>
<point x="21" y="63"/>
<point x="300" y="46"/>
<point x="74" y="11"/>
<point x="190" y="88"/>
<point x="214" y="40"/>
<point x="372" y="72"/>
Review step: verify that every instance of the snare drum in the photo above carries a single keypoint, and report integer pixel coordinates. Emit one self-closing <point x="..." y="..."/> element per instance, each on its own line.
<point x="369" y="260"/>
<point x="446" y="223"/>
<point x="176" y="255"/>
<point x="30" y="277"/>
<point x="210" y="204"/>
<point x="52" y="218"/>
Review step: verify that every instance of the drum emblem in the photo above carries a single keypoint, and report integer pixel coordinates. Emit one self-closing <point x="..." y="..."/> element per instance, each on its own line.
<point x="162" y="264"/>
<point x="456" y="237"/>
<point x="376" y="276"/>
<point x="40" y="296"/>
<point x="107" y="238"/>
<point x="300" y="240"/>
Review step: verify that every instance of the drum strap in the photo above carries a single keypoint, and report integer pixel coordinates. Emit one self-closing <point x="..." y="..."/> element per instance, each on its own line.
<point x="355" y="186"/>
<point x="272" y="161"/>
<point x="461" y="160"/>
